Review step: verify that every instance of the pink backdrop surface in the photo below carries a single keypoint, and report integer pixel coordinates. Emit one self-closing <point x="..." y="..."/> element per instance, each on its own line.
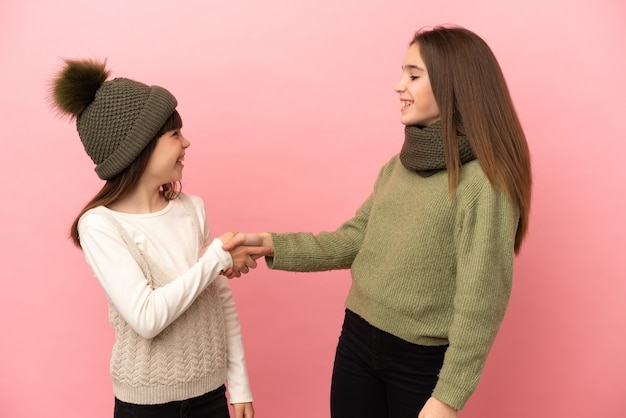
<point x="290" y="109"/>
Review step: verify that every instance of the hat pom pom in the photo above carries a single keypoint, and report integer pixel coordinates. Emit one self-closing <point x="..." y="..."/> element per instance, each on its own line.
<point x="75" y="86"/>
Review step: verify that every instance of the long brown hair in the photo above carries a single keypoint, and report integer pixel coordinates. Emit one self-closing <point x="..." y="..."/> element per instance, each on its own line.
<point x="473" y="98"/>
<point x="122" y="184"/>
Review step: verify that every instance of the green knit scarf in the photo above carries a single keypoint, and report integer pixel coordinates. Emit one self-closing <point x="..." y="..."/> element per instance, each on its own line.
<point x="423" y="153"/>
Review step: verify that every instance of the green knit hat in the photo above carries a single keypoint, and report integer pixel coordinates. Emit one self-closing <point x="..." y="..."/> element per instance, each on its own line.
<point x="115" y="119"/>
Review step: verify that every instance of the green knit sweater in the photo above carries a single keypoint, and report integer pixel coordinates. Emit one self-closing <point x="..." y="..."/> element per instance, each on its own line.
<point x="426" y="267"/>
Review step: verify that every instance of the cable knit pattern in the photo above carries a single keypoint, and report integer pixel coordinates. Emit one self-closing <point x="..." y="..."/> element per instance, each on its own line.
<point x="187" y="359"/>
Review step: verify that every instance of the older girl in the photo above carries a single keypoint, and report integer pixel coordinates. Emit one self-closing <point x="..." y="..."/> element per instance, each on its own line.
<point x="431" y="250"/>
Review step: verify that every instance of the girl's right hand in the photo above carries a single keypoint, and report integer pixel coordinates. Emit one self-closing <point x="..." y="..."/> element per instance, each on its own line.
<point x="261" y="239"/>
<point x="245" y="249"/>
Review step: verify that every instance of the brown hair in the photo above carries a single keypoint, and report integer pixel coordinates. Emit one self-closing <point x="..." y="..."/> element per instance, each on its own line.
<point x="473" y="97"/>
<point x="123" y="183"/>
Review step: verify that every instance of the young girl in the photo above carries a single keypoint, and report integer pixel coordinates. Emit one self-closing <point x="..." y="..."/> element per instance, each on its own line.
<point x="176" y="327"/>
<point x="431" y="250"/>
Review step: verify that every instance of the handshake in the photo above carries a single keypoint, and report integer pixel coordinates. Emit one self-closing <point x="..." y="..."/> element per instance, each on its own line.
<point x="245" y="248"/>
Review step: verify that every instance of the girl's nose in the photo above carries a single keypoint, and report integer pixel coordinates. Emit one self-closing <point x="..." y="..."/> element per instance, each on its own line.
<point x="399" y="87"/>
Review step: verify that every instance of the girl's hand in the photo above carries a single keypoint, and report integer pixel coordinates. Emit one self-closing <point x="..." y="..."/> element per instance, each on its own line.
<point x="227" y="236"/>
<point x="262" y="239"/>
<point x="434" y="408"/>
<point x="244" y="250"/>
<point x="243" y="410"/>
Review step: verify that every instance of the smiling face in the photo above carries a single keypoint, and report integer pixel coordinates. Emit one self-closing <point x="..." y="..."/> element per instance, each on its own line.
<point x="166" y="162"/>
<point x="418" y="105"/>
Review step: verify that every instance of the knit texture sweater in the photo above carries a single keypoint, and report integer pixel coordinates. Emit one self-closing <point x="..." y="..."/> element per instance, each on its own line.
<point x="177" y="333"/>
<point x="426" y="267"/>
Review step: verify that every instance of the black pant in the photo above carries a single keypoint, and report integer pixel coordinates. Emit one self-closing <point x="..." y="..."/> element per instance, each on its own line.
<point x="209" y="405"/>
<point x="378" y="375"/>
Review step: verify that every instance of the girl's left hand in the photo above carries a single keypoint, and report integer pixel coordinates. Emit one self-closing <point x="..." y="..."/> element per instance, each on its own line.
<point x="243" y="410"/>
<point x="434" y="408"/>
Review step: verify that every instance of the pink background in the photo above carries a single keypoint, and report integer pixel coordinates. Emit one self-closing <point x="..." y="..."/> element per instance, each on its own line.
<point x="290" y="109"/>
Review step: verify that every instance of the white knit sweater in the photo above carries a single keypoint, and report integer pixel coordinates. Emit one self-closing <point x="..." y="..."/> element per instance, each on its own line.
<point x="176" y="326"/>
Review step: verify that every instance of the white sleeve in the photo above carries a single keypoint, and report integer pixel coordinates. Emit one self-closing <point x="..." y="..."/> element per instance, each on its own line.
<point x="238" y="382"/>
<point x="148" y="311"/>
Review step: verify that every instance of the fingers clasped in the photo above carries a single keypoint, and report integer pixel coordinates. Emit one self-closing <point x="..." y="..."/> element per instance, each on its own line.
<point x="245" y="249"/>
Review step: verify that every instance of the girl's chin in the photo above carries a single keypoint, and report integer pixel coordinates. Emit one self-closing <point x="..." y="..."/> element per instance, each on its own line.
<point x="417" y="122"/>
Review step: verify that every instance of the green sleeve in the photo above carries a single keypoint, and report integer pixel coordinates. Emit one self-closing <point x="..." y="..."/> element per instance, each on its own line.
<point x="485" y="254"/>
<point x="305" y="251"/>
